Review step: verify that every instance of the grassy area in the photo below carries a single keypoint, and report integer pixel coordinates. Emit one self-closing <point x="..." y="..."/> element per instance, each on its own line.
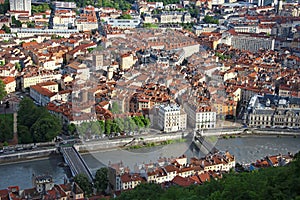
<point x="212" y="139"/>
<point x="150" y="25"/>
<point x="153" y="144"/>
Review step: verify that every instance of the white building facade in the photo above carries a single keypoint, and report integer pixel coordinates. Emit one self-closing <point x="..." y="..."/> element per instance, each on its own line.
<point x="20" y="5"/>
<point x="171" y="118"/>
<point x="200" y="117"/>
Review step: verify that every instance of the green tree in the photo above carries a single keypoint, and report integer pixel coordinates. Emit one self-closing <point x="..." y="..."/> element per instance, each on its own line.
<point x="4" y="7"/>
<point x="18" y="66"/>
<point x="102" y="126"/>
<point x="115" y="108"/>
<point x="40" y="8"/>
<point x="6" y="29"/>
<point x="131" y="124"/>
<point x="115" y="128"/>
<point x="194" y="11"/>
<point x="45" y="129"/>
<point x="82" y="128"/>
<point x="24" y="134"/>
<point x="150" y="25"/>
<point x="125" y="16"/>
<point x="30" y="24"/>
<point x="101" y="179"/>
<point x="146" y="122"/>
<point x="3" y="92"/>
<point x="83" y="182"/>
<point x="138" y="121"/>
<point x="95" y="128"/>
<point x="120" y="124"/>
<point x="210" y="20"/>
<point x="90" y="49"/>
<point x="71" y="128"/>
<point x="108" y="125"/>
<point x="42" y="125"/>
<point x="144" y="191"/>
<point x="6" y="132"/>
<point x="16" y="22"/>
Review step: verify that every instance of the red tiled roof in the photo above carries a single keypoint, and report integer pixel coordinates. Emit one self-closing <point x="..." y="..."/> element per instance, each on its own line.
<point x="7" y="80"/>
<point x="183" y="182"/>
<point x="204" y="177"/>
<point x="42" y="91"/>
<point x="4" y="194"/>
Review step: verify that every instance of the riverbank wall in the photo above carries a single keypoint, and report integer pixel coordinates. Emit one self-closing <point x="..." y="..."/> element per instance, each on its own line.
<point x="249" y="132"/>
<point x="137" y="140"/>
<point x="28" y="155"/>
<point x="278" y="132"/>
<point x="117" y="143"/>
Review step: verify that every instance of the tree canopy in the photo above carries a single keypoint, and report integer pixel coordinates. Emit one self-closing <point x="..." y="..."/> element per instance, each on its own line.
<point x="40" y="8"/>
<point x="166" y="2"/>
<point x="4" y="7"/>
<point x="101" y="179"/>
<point x="36" y="124"/>
<point x="83" y="182"/>
<point x="6" y="29"/>
<point x="6" y="127"/>
<point x="117" y="4"/>
<point x="210" y="20"/>
<point x="3" y="92"/>
<point x="15" y="22"/>
<point x="125" y="16"/>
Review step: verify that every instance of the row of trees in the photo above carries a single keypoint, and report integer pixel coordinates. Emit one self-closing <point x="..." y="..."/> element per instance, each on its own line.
<point x="108" y="127"/>
<point x="40" y="8"/>
<point x="117" y="4"/>
<point x="100" y="182"/>
<point x="269" y="183"/>
<point x="210" y="20"/>
<point x="36" y="124"/>
<point x="125" y="16"/>
<point x="166" y="2"/>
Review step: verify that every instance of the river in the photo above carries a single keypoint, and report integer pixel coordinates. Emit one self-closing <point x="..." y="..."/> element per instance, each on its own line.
<point x="21" y="173"/>
<point x="246" y="149"/>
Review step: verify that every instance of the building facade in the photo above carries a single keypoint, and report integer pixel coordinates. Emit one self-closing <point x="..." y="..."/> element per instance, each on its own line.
<point x="124" y="23"/>
<point x="171" y="118"/>
<point x="20" y="5"/>
<point x="253" y="44"/>
<point x="200" y="117"/>
<point x="273" y="111"/>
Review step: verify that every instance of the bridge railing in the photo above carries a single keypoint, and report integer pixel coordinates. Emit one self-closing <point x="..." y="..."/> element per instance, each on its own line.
<point x="75" y="167"/>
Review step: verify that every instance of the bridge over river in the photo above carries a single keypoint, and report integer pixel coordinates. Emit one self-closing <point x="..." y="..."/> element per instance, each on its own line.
<point x="75" y="162"/>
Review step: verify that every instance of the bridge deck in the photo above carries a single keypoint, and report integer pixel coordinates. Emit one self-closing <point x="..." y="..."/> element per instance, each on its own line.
<point x="75" y="162"/>
<point x="204" y="145"/>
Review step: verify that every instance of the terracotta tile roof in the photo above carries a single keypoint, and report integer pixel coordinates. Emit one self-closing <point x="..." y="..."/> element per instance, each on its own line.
<point x="42" y="91"/>
<point x="4" y="195"/>
<point x="183" y="182"/>
<point x="204" y="177"/>
<point x="7" y="80"/>
<point x="125" y="178"/>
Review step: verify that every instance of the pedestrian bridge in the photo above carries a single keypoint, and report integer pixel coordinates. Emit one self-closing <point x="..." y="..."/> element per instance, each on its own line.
<point x="204" y="145"/>
<point x="76" y="163"/>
